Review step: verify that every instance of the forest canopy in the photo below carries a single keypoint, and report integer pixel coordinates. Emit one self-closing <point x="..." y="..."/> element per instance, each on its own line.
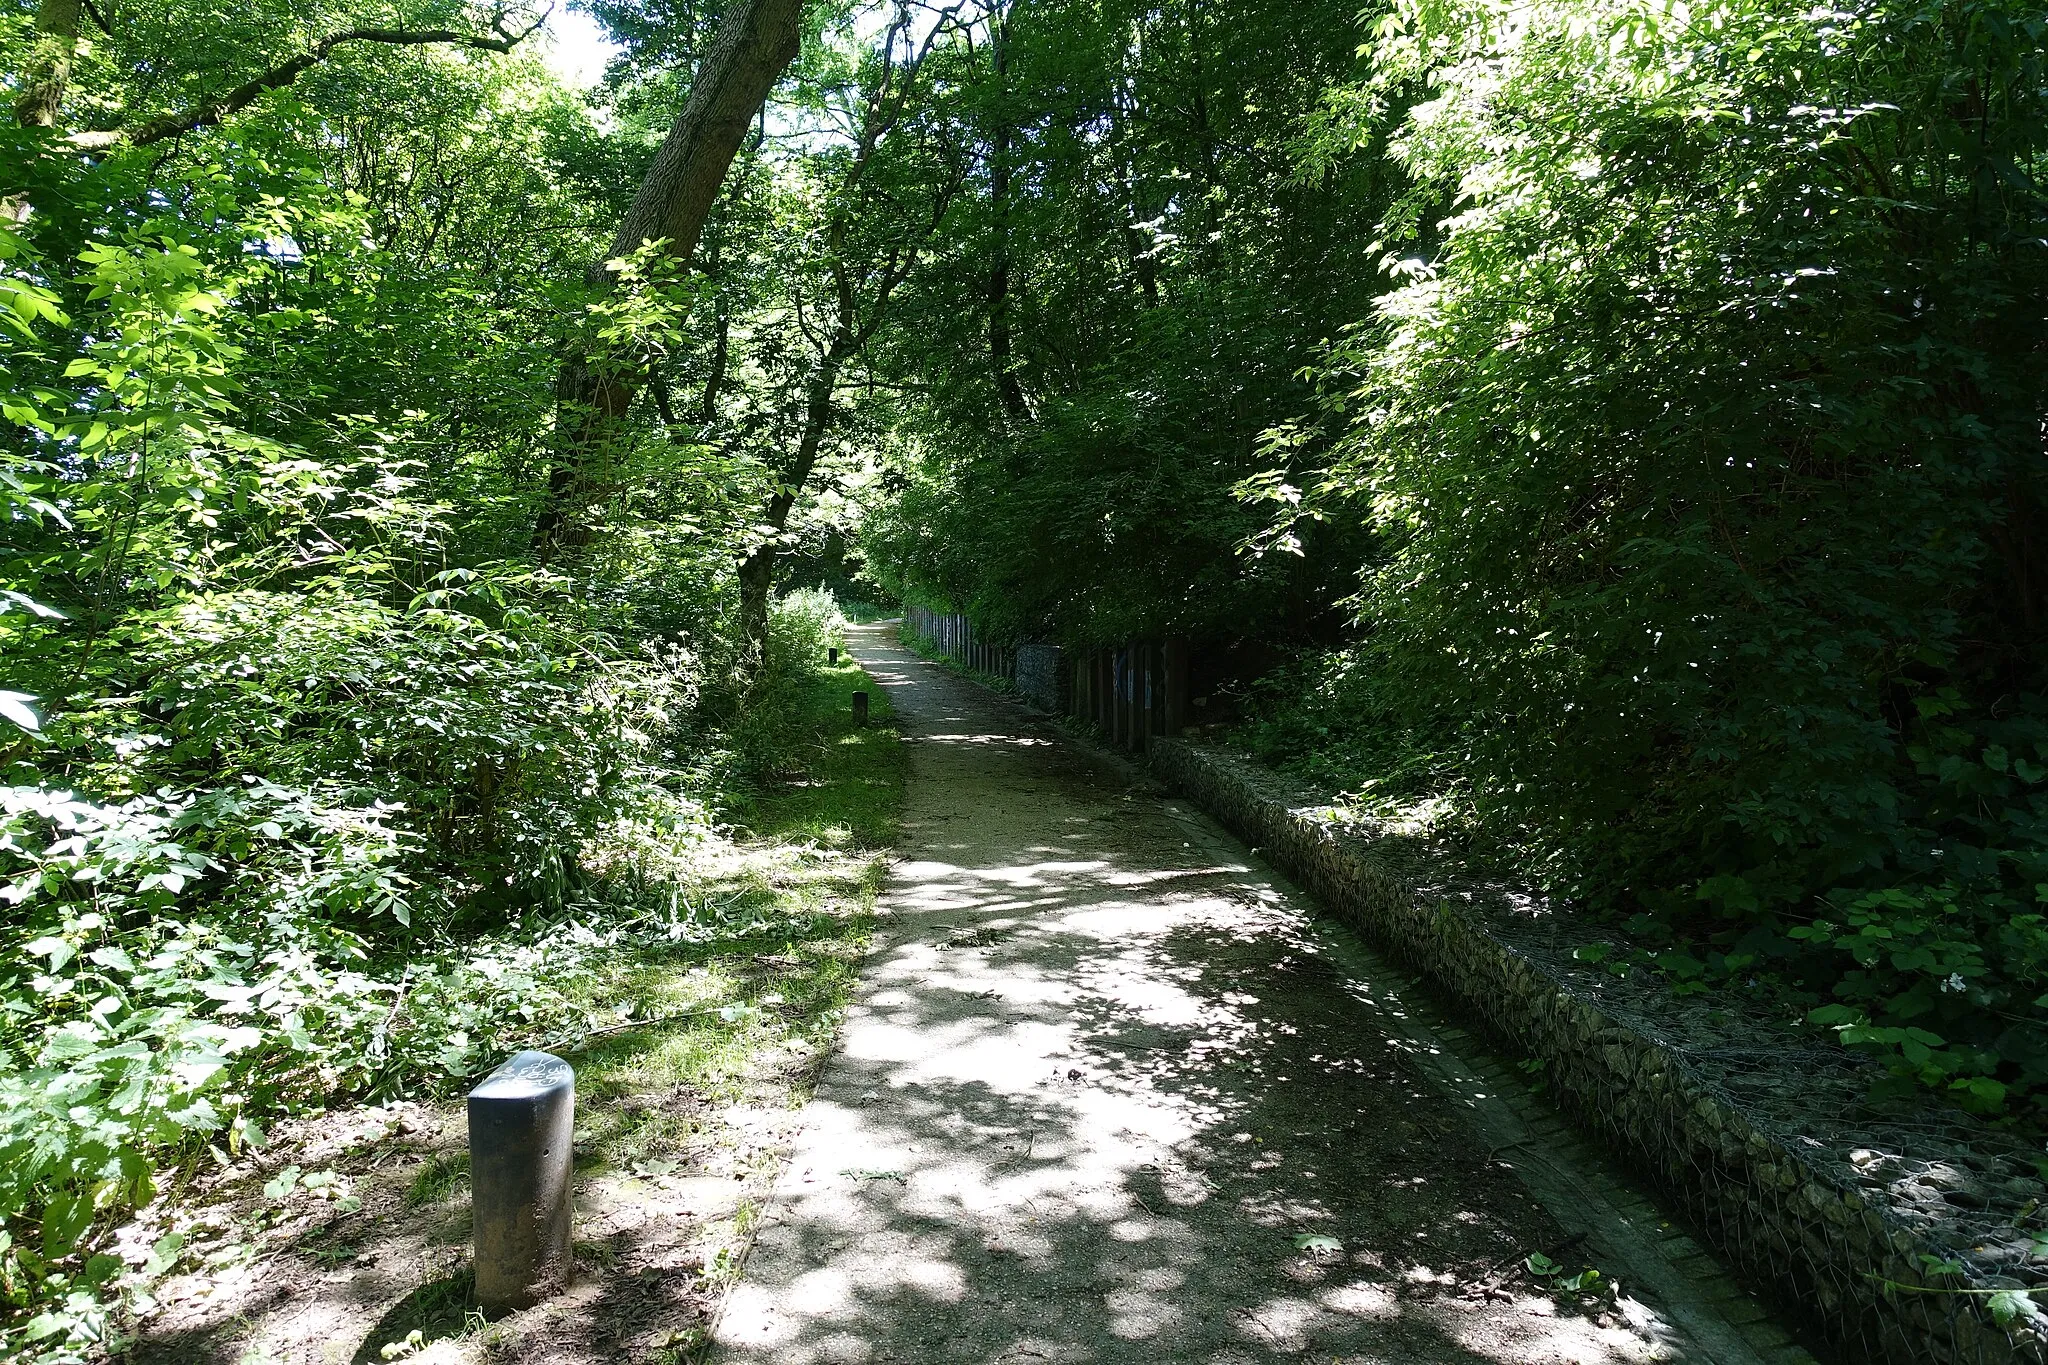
<point x="1615" y="425"/>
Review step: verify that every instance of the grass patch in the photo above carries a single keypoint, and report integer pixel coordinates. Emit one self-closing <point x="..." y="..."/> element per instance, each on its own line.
<point x="794" y="912"/>
<point x="714" y="996"/>
<point x="843" y="786"/>
<point x="439" y="1178"/>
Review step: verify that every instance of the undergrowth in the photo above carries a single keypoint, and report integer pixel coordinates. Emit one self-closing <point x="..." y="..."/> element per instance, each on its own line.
<point x="715" y="913"/>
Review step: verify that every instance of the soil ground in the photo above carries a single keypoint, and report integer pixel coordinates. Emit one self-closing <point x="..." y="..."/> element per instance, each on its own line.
<point x="345" y="1240"/>
<point x="1107" y="1092"/>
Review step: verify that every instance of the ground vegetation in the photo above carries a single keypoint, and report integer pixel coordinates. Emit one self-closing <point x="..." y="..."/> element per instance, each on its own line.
<point x="1613" y="427"/>
<point x="326" y="774"/>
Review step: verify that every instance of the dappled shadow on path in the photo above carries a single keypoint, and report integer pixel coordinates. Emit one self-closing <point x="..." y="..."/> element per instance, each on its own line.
<point x="1099" y="1083"/>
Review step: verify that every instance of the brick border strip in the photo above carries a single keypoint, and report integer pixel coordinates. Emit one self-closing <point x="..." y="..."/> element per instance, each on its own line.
<point x="1788" y="1226"/>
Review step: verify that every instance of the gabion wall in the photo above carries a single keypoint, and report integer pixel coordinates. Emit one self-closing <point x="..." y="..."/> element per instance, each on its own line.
<point x="1041" y="677"/>
<point x="1787" y="1209"/>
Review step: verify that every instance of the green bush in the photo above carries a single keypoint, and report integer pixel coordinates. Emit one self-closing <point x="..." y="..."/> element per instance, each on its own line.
<point x="801" y="627"/>
<point x="298" y="801"/>
<point x="1703" y="448"/>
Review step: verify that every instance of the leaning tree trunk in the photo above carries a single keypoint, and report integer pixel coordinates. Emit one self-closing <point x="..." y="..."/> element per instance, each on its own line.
<point x="44" y="76"/>
<point x="757" y="40"/>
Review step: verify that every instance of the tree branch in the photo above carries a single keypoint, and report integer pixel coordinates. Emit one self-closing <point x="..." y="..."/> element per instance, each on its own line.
<point x="500" y="39"/>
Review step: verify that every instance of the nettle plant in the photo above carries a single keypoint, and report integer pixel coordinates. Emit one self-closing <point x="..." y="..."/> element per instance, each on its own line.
<point x="190" y="975"/>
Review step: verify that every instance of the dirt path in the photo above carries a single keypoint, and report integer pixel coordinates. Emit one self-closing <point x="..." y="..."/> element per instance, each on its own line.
<point x="1108" y="1094"/>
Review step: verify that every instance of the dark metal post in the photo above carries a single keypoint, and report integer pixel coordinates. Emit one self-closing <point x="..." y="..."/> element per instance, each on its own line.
<point x="520" y="1123"/>
<point x="832" y="657"/>
<point x="860" y="708"/>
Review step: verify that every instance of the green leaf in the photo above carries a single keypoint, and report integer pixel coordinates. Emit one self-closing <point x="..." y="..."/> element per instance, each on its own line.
<point x="58" y="950"/>
<point x="44" y="1326"/>
<point x="14" y="707"/>
<point x="65" y="1219"/>
<point x="163" y="1254"/>
<point x="2010" y="1305"/>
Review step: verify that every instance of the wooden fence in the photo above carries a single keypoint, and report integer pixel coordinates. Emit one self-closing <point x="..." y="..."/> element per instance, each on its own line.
<point x="1131" y="694"/>
<point x="955" y="637"/>
<point x="1134" y="693"/>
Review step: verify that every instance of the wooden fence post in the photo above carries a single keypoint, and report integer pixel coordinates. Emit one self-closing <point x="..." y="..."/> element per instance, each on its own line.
<point x="1149" y="713"/>
<point x="1132" y="700"/>
<point x="1116" y="694"/>
<point x="1109" y="695"/>
<point x="1175" y="661"/>
<point x="1141" y="693"/>
<point x="1155" y="693"/>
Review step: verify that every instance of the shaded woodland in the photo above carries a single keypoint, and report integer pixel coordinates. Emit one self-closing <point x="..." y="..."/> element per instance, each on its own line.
<point x="1610" y="429"/>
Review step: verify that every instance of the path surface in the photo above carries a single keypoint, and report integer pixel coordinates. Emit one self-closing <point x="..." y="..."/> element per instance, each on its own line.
<point x="1102" y="1071"/>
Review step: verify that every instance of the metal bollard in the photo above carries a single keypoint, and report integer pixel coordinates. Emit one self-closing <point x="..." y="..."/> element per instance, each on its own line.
<point x="832" y="656"/>
<point x="860" y="708"/>
<point x="521" y="1119"/>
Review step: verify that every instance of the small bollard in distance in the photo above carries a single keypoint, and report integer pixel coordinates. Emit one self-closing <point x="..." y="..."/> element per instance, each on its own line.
<point x="860" y="708"/>
<point x="521" y="1120"/>
<point x="832" y="656"/>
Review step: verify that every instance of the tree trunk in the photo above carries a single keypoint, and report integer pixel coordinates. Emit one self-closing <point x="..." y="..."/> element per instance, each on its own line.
<point x="49" y="64"/>
<point x="757" y="41"/>
<point x="757" y="571"/>
<point x="721" y="353"/>
<point x="1137" y="246"/>
<point x="854" y="325"/>
<point x="1007" y="388"/>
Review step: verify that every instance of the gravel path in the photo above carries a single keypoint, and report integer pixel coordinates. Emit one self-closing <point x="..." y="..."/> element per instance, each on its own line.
<point x="1104" y="1074"/>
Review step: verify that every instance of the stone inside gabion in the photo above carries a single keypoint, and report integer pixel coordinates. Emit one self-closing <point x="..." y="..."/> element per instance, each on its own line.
<point x="1769" y="1140"/>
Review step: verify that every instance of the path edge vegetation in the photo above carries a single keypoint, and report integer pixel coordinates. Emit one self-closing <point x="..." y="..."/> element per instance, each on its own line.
<point x="1610" y="429"/>
<point x="805" y="807"/>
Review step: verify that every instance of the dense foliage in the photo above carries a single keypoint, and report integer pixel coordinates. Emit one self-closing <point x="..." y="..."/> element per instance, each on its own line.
<point x="1674" y="455"/>
<point x="318" y="778"/>
<point x="1146" y="276"/>
<point x="1705" y="448"/>
<point x="1622" y="421"/>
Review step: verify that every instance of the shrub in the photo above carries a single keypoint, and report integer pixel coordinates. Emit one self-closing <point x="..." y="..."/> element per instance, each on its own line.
<point x="1703" y="443"/>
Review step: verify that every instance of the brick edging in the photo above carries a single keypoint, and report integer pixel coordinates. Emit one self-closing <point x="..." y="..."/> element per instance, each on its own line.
<point x="1787" y="1226"/>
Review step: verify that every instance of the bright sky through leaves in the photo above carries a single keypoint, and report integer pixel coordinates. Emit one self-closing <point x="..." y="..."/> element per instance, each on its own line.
<point x="577" y="48"/>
